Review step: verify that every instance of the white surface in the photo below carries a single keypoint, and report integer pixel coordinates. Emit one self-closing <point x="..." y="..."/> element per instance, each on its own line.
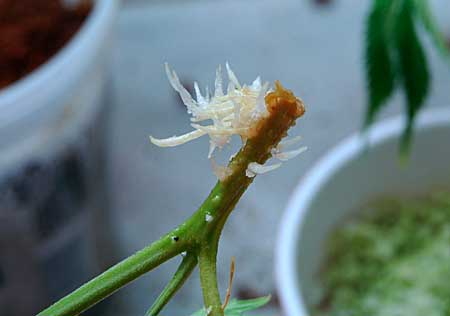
<point x="344" y="179"/>
<point x="317" y="52"/>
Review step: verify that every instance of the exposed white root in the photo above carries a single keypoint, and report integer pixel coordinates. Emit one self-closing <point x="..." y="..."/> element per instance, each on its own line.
<point x="255" y="168"/>
<point x="221" y="172"/>
<point x="285" y="156"/>
<point x="177" y="140"/>
<point x="233" y="113"/>
<point x="288" y="142"/>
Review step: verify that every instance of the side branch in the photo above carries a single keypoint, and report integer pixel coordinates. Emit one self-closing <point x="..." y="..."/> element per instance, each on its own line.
<point x="119" y="275"/>
<point x="208" y="279"/>
<point x="181" y="275"/>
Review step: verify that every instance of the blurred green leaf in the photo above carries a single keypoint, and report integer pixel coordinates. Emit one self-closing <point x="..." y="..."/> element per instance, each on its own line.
<point x="239" y="307"/>
<point x="395" y="57"/>
<point x="412" y="67"/>
<point x="426" y="18"/>
<point x="379" y="64"/>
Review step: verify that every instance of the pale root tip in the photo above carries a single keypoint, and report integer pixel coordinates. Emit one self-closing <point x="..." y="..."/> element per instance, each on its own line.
<point x="163" y="142"/>
<point x="255" y="168"/>
<point x="177" y="140"/>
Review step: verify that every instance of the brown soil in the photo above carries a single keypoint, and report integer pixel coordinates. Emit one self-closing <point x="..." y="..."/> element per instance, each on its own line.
<point x="32" y="31"/>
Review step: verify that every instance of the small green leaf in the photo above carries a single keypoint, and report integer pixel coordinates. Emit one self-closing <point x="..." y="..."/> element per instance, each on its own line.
<point x="199" y="312"/>
<point x="426" y="17"/>
<point x="379" y="65"/>
<point x="239" y="307"/>
<point x="413" y="68"/>
<point x="247" y="305"/>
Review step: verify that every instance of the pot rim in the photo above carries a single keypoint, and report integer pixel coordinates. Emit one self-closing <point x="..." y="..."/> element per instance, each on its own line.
<point x="33" y="91"/>
<point x="286" y="252"/>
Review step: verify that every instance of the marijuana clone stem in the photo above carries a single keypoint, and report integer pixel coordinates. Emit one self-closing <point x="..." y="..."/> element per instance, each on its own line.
<point x="198" y="237"/>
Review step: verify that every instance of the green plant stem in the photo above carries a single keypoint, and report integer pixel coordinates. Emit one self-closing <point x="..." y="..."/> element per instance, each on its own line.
<point x="228" y="192"/>
<point x="181" y="275"/>
<point x="201" y="232"/>
<point x="208" y="278"/>
<point x="111" y="280"/>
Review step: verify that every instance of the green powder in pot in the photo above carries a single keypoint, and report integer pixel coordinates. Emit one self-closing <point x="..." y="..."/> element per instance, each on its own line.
<point x="392" y="261"/>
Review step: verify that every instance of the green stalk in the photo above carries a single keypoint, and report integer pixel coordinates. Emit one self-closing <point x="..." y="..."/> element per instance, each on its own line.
<point x="181" y="275"/>
<point x="227" y="193"/>
<point x="199" y="234"/>
<point x="208" y="279"/>
<point x="119" y="275"/>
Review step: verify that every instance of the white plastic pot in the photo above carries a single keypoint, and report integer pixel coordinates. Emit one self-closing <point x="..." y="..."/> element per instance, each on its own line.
<point x="49" y="163"/>
<point x="41" y="111"/>
<point x="355" y="172"/>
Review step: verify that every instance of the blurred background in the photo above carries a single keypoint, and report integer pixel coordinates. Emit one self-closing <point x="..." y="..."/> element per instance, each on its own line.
<point x="314" y="47"/>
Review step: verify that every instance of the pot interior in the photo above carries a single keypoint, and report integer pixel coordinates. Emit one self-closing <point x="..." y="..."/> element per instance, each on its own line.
<point x="367" y="173"/>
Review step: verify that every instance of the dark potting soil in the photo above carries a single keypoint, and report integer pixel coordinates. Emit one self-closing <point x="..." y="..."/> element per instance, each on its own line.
<point x="32" y="31"/>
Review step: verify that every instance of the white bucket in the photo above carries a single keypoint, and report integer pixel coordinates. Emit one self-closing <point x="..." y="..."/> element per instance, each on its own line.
<point x="355" y="172"/>
<point x="48" y="155"/>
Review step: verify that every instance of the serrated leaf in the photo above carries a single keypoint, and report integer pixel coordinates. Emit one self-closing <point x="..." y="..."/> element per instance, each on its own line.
<point x="379" y="64"/>
<point x="239" y="307"/>
<point x="426" y="18"/>
<point x="413" y="67"/>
